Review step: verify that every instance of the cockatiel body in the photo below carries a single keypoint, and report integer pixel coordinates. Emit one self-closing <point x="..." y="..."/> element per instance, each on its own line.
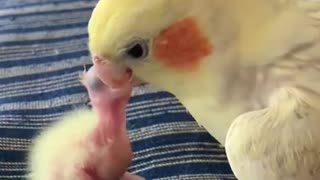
<point x="247" y="71"/>
<point x="86" y="144"/>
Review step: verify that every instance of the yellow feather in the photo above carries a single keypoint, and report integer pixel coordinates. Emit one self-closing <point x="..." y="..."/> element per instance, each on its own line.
<point x="56" y="144"/>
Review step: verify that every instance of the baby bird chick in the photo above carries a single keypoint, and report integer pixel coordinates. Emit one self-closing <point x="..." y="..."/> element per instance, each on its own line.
<point x="87" y="144"/>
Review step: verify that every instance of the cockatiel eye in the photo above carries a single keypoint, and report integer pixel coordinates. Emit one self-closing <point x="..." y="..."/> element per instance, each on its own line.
<point x="137" y="49"/>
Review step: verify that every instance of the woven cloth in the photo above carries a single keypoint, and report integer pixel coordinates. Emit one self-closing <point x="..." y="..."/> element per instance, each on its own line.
<point x="43" y="48"/>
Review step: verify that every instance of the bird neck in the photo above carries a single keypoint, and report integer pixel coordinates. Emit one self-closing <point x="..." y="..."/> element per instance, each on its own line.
<point x="111" y="121"/>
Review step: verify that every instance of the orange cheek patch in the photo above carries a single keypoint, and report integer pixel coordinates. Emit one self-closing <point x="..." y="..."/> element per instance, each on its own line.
<point x="182" y="46"/>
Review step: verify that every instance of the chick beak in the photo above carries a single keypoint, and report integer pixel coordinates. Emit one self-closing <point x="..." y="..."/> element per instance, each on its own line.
<point x="114" y="75"/>
<point x="109" y="106"/>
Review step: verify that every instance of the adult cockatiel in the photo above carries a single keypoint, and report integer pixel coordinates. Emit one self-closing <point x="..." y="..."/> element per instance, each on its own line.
<point x="247" y="70"/>
<point x="87" y="144"/>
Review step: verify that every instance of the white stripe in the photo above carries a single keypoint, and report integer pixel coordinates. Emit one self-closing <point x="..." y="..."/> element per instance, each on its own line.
<point x="45" y="53"/>
<point x="197" y="176"/>
<point x="213" y="155"/>
<point x="21" y="127"/>
<point x="25" y="144"/>
<point x="45" y="20"/>
<point x="155" y="102"/>
<point x="176" y="145"/>
<point x="44" y="68"/>
<point x="54" y="102"/>
<point x="179" y="161"/>
<point x="41" y="35"/>
<point x="178" y="111"/>
<point x="18" y="2"/>
<point x="44" y="116"/>
<point x="37" y="105"/>
<point x="165" y="129"/>
<point x="36" y="51"/>
<point x="145" y="89"/>
<point x="33" y="118"/>
<point x="36" y="83"/>
<point x="11" y="121"/>
<point x="140" y="134"/>
<point x="12" y="169"/>
<point x="24" y="84"/>
<point x="43" y="89"/>
<point x="12" y="163"/>
<point x="8" y="106"/>
<point x="46" y="120"/>
<point x="34" y="87"/>
<point x="25" y="125"/>
<point x="173" y="146"/>
<point x="149" y="115"/>
<point x="151" y="109"/>
<point x="40" y="47"/>
<point x="135" y="106"/>
<point x="12" y="147"/>
<point x="5" y="139"/>
<point x="17" y="124"/>
<point x="190" y="157"/>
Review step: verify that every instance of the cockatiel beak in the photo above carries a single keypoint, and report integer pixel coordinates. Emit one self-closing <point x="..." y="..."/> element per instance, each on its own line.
<point x="114" y="75"/>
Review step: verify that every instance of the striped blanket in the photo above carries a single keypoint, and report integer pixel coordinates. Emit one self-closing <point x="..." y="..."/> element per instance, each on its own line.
<point x="42" y="51"/>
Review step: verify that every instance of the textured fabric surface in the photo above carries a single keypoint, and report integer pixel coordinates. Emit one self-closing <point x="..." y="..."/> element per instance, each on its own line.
<point x="43" y="48"/>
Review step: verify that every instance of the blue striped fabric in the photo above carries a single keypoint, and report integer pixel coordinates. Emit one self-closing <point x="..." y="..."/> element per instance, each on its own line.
<point x="43" y="48"/>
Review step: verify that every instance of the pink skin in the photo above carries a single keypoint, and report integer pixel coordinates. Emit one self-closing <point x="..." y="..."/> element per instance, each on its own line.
<point x="114" y="75"/>
<point x="109" y="148"/>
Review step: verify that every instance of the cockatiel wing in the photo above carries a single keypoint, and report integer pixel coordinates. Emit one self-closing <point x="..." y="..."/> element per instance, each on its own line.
<point x="281" y="142"/>
<point x="312" y="11"/>
<point x="293" y="30"/>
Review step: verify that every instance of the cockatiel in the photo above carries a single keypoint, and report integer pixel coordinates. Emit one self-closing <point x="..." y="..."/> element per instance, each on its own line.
<point x="247" y="70"/>
<point x="87" y="144"/>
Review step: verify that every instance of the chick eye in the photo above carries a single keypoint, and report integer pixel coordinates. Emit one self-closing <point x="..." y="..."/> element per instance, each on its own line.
<point x="138" y="50"/>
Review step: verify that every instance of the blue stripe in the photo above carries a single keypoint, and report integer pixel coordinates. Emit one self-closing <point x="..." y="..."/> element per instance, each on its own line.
<point x="23" y="118"/>
<point x="12" y="156"/>
<point x="44" y="75"/>
<point x="171" y="102"/>
<point x="177" y="106"/>
<point x="17" y="87"/>
<point x="188" y="169"/>
<point x="44" y="111"/>
<point x="150" y="96"/>
<point x="57" y="12"/>
<point x="138" y="123"/>
<point x="12" y="173"/>
<point x="206" y="152"/>
<point x="56" y="2"/>
<point x="43" y="41"/>
<point x="44" y="96"/>
<point x="171" y="139"/>
<point x="16" y="133"/>
<point x="170" y="161"/>
<point x="44" y="28"/>
<point x="43" y="60"/>
<point x="158" y="119"/>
